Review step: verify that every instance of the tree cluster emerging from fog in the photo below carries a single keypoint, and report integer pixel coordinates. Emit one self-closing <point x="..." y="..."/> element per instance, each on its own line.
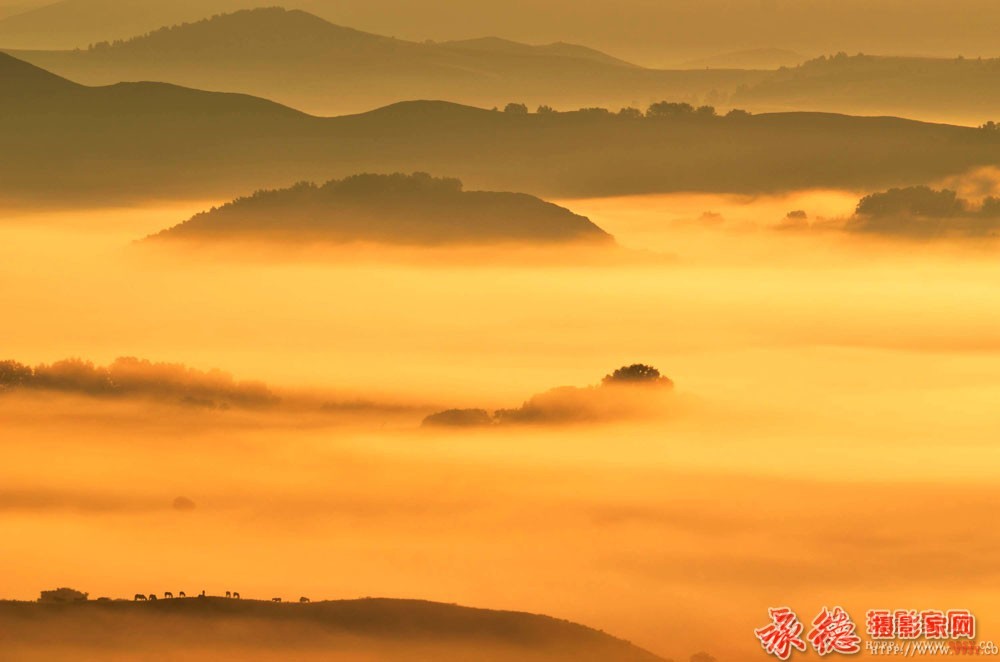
<point x="415" y="209"/>
<point x="629" y="391"/>
<point x="921" y="211"/>
<point x="659" y="110"/>
<point x="132" y="377"/>
<point x="637" y="373"/>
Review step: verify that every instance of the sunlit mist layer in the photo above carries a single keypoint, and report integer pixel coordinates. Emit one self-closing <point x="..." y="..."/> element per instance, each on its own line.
<point x="831" y="438"/>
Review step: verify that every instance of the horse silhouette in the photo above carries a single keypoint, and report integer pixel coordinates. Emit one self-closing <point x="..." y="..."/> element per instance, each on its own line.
<point x="236" y="596"/>
<point x="140" y="596"/>
<point x="168" y="594"/>
<point x="182" y="594"/>
<point x="228" y="594"/>
<point x="304" y="600"/>
<point x="202" y="594"/>
<point x="275" y="599"/>
<point x="152" y="596"/>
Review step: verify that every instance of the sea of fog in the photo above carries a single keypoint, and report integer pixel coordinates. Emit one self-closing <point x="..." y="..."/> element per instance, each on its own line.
<point x="832" y="438"/>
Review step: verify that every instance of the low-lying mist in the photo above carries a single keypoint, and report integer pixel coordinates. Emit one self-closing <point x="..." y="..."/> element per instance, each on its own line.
<point x="830" y="440"/>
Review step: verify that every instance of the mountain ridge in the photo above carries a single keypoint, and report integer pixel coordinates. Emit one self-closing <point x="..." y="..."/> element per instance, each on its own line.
<point x="299" y="59"/>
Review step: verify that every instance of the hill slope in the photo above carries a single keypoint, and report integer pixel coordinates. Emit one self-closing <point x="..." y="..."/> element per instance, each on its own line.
<point x="377" y="629"/>
<point x="61" y="142"/>
<point x="397" y="209"/>
<point x="966" y="90"/>
<point x="303" y="61"/>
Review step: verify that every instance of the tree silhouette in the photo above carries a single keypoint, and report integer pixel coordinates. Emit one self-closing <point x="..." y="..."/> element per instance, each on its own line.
<point x="670" y="109"/>
<point x="62" y="595"/>
<point x="14" y="374"/>
<point x="914" y="200"/>
<point x="635" y="373"/>
<point x="990" y="208"/>
<point x="516" y="109"/>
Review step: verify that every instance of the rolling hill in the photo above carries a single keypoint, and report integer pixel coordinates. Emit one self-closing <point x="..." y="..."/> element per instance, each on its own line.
<point x="960" y="90"/>
<point x="301" y="60"/>
<point x="639" y="30"/>
<point x="61" y="142"/>
<point x="371" y="629"/>
<point x="397" y="209"/>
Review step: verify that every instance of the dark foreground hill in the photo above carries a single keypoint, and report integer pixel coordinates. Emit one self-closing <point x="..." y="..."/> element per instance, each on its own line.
<point x="65" y="143"/>
<point x="370" y="629"/>
<point x="396" y="209"/>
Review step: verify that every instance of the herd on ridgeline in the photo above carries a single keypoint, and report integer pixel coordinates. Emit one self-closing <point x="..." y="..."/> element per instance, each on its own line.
<point x="167" y="595"/>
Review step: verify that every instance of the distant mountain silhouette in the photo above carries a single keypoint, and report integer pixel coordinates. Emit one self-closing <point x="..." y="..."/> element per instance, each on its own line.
<point x="641" y="30"/>
<point x="397" y="209"/>
<point x="301" y="60"/>
<point x="406" y="630"/>
<point x="960" y="89"/>
<point x="61" y="142"/>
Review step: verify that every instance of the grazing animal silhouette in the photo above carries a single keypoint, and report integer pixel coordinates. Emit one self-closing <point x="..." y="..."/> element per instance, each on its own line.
<point x="168" y="594"/>
<point x="202" y="594"/>
<point x="182" y="594"/>
<point x="304" y="600"/>
<point x="228" y="594"/>
<point x="275" y="599"/>
<point x="139" y="596"/>
<point x="152" y="596"/>
<point x="236" y="596"/>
